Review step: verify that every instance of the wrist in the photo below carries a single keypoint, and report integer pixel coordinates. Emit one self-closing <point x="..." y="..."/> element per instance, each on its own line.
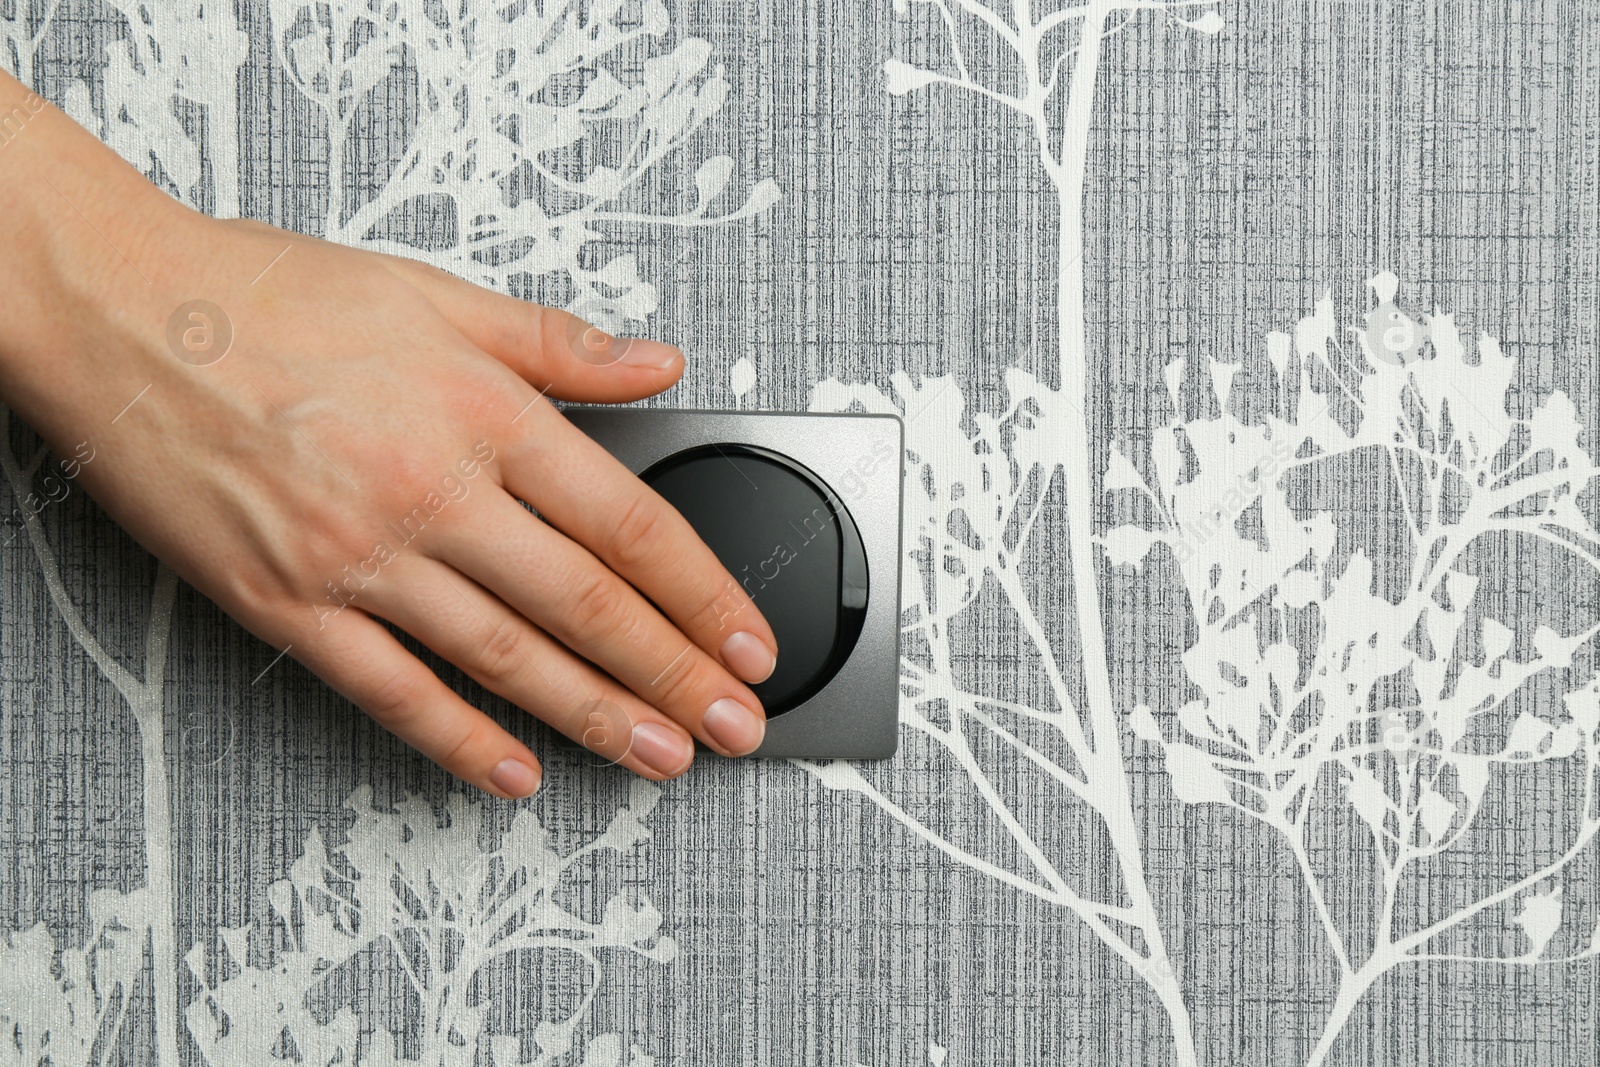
<point x="85" y="243"/>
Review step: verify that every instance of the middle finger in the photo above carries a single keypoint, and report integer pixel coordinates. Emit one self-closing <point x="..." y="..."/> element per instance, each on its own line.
<point x="564" y="590"/>
<point x="629" y="527"/>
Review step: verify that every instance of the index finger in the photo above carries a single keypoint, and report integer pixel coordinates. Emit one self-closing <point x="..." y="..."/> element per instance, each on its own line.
<point x="599" y="503"/>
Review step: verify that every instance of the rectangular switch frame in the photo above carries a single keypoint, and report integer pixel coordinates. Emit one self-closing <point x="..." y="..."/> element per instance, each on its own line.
<point x="860" y="456"/>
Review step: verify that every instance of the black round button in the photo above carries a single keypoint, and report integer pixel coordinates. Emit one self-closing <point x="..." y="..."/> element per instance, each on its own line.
<point x="790" y="542"/>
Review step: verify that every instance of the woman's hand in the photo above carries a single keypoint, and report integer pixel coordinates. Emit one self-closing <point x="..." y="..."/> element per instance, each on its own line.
<point x="320" y="438"/>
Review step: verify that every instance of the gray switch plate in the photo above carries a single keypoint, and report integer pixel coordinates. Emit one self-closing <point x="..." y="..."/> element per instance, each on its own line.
<point x="857" y="714"/>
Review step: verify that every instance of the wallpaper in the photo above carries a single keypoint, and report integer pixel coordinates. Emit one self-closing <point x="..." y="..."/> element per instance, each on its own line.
<point x="1250" y="711"/>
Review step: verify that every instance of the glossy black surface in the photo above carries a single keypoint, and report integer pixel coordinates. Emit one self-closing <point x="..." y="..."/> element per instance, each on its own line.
<point x="787" y="538"/>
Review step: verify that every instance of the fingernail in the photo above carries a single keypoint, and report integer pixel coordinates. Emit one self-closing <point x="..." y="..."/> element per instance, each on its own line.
<point x="514" y="777"/>
<point x="735" y="727"/>
<point x="593" y="345"/>
<point x="637" y="352"/>
<point x="663" y="750"/>
<point x="747" y="655"/>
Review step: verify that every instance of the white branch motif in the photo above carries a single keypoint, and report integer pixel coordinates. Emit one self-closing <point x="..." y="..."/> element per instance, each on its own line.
<point x="1318" y="684"/>
<point x="974" y="499"/>
<point x="162" y="60"/>
<point x="407" y="914"/>
<point x="95" y="986"/>
<point x="530" y="130"/>
<point x="1406" y="707"/>
<point x="75" y="1006"/>
<point x="1317" y="689"/>
<point x="165" y="59"/>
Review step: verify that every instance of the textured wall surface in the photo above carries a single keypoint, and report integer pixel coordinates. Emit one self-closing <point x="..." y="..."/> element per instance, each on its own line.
<point x="1247" y="354"/>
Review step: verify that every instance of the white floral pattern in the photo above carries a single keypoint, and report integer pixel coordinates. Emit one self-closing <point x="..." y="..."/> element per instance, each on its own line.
<point x="1310" y="677"/>
<point x="529" y="126"/>
<point x="406" y="914"/>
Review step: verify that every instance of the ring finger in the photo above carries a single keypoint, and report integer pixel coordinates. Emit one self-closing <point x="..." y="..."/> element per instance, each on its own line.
<point x="503" y="652"/>
<point x="560" y="587"/>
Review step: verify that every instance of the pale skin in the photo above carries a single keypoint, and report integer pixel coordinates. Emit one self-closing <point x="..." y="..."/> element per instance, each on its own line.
<point x="355" y="386"/>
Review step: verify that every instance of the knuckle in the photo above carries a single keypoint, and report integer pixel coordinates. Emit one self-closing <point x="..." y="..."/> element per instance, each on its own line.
<point x="680" y="680"/>
<point x="634" y="539"/>
<point x="483" y="396"/>
<point x="451" y="752"/>
<point x="395" y="700"/>
<point x="597" y="610"/>
<point x="415" y="484"/>
<point x="502" y="653"/>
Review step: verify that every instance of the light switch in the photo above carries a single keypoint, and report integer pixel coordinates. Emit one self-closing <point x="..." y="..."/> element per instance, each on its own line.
<point x="804" y="511"/>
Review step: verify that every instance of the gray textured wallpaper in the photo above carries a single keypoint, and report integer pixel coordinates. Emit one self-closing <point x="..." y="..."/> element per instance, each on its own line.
<point x="1249" y="697"/>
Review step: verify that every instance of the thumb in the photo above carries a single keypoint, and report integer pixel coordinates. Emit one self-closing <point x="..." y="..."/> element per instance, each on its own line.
<point x="551" y="349"/>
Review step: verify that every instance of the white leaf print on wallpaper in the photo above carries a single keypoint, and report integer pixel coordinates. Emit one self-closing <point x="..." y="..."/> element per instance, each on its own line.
<point x="1312" y="684"/>
<point x="176" y="57"/>
<point x="1309" y="679"/>
<point x="165" y="58"/>
<point x="535" y="124"/>
<point x="412" y="894"/>
<point x="1408" y="704"/>
<point x="523" y="128"/>
<point x="979" y="497"/>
